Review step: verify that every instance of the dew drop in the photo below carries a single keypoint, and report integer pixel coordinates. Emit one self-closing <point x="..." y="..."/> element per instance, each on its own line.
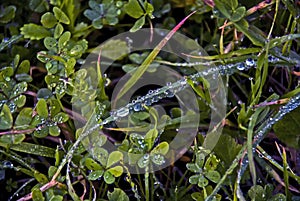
<point x="241" y="66"/>
<point x="250" y="62"/>
<point x="169" y="94"/>
<point x="137" y="107"/>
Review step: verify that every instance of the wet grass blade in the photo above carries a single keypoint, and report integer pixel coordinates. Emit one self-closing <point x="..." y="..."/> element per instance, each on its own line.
<point x="144" y="66"/>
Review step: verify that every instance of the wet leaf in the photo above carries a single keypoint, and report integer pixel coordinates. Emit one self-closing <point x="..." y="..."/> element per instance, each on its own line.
<point x="117" y="195"/>
<point x="34" y="149"/>
<point x="108" y="177"/>
<point x="54" y="130"/>
<point x="6" y="119"/>
<point x="138" y="24"/>
<point x="144" y="161"/>
<point x="48" y="20"/>
<point x="61" y="117"/>
<point x="34" y="32"/>
<point x="95" y="175"/>
<point x="113" y="158"/>
<point x="12" y="139"/>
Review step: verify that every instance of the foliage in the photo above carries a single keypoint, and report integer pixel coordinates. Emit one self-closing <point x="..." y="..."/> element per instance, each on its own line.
<point x="50" y="148"/>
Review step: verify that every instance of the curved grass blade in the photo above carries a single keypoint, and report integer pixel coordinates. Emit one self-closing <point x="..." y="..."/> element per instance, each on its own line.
<point x="144" y="66"/>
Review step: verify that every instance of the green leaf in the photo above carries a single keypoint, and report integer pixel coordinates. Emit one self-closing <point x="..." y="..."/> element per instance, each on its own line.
<point x="194" y="179"/>
<point x="41" y="178"/>
<point x="213" y="176"/>
<point x="254" y="36"/>
<point x="144" y="161"/>
<point x="48" y="20"/>
<point x="42" y="108"/>
<point x="41" y="132"/>
<point x="117" y="195"/>
<point x="238" y="14"/>
<point x="50" y="43"/>
<point x="226" y="149"/>
<point x="287" y="129"/>
<point x="7" y="14"/>
<point x="92" y="165"/>
<point x="116" y="171"/>
<point x="193" y="167"/>
<point x="6" y="119"/>
<point x="157" y="159"/>
<point x="59" y="29"/>
<point x="113" y="158"/>
<point x="144" y="66"/>
<point x="108" y="177"/>
<point x="44" y="93"/>
<point x="24" y="67"/>
<point x="100" y="155"/>
<point x="138" y="24"/>
<point x="256" y="193"/>
<point x="24" y="117"/>
<point x="34" y="32"/>
<point x="279" y="40"/>
<point x="37" y="195"/>
<point x="110" y="51"/>
<point x="63" y="40"/>
<point x="95" y="175"/>
<point x="54" y="130"/>
<point x="61" y="117"/>
<point x="12" y="139"/>
<point x="202" y="182"/>
<point x="38" y="6"/>
<point x="60" y="15"/>
<point x="161" y="148"/>
<point x="150" y="137"/>
<point x="34" y="149"/>
<point x="133" y="9"/>
<point x="56" y="198"/>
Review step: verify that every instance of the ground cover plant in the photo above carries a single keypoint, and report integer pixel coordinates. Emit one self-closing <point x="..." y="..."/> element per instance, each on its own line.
<point x="149" y="100"/>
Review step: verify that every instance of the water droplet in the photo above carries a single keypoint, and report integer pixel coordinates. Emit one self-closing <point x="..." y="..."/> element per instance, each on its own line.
<point x="169" y="94"/>
<point x="241" y="66"/>
<point x="137" y="107"/>
<point x="123" y="112"/>
<point x="250" y="62"/>
<point x="147" y="102"/>
<point x="155" y="99"/>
